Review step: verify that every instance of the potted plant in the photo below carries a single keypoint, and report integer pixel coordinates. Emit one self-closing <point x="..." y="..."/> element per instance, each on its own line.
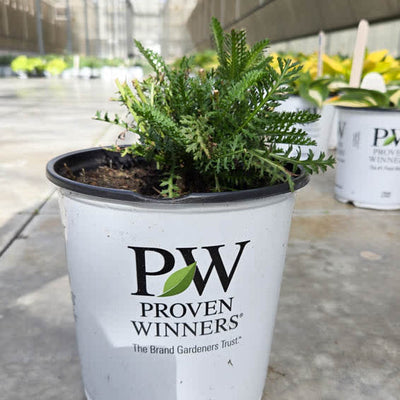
<point x="5" y="68"/>
<point x="175" y="271"/>
<point x="19" y="66"/>
<point x="368" y="155"/>
<point x="26" y="67"/>
<point x="339" y="69"/>
<point x="309" y="95"/>
<point x="89" y="67"/>
<point x="55" y="66"/>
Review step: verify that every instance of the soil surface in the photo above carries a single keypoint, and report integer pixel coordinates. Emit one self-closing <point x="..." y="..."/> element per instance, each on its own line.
<point x="138" y="175"/>
<point x="131" y="173"/>
<point x="141" y="179"/>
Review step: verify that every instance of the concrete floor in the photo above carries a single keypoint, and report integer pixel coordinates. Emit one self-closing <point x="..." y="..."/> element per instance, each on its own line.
<point x="337" y="335"/>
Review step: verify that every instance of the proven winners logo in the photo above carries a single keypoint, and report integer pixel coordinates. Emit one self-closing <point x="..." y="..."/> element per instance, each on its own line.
<point x="178" y="319"/>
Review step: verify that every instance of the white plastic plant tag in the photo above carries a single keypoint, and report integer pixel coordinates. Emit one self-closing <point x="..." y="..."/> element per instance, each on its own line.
<point x="321" y="51"/>
<point x="358" y="54"/>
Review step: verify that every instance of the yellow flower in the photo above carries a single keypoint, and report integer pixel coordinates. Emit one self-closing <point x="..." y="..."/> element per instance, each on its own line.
<point x="310" y="65"/>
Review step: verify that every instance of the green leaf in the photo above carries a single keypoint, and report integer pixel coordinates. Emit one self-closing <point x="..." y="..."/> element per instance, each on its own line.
<point x="389" y="140"/>
<point x="358" y="97"/>
<point x="155" y="60"/>
<point x="219" y="41"/>
<point x="218" y="127"/>
<point x="179" y="281"/>
<point x="314" y="91"/>
<point x="395" y="97"/>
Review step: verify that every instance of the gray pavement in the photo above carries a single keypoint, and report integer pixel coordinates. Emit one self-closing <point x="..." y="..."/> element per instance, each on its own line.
<point x="337" y="335"/>
<point x="40" y="119"/>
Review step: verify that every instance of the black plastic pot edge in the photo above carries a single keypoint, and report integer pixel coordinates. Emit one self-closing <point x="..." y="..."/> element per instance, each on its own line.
<point x="93" y="157"/>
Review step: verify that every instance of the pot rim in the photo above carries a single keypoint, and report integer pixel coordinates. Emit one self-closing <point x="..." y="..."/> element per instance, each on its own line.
<point x="375" y="109"/>
<point x="92" y="157"/>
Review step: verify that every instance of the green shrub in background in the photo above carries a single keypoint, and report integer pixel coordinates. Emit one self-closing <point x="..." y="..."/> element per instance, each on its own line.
<point x="32" y="66"/>
<point x="56" y="66"/>
<point x="6" y="60"/>
<point x="206" y="59"/>
<point x="20" y="64"/>
<point x="91" y="62"/>
<point x="94" y="62"/>
<point x="69" y="60"/>
<point x="36" y="66"/>
<point x="114" y="62"/>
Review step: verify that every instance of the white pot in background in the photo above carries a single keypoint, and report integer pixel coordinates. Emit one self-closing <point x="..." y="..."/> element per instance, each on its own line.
<point x="85" y="73"/>
<point x="70" y="73"/>
<point x="367" y="170"/>
<point x="329" y="124"/>
<point x="135" y="72"/>
<point x="6" y="71"/>
<point x="122" y="73"/>
<point x="95" y="73"/>
<point x="107" y="73"/>
<point x="297" y="103"/>
<point x="113" y="73"/>
<point x="211" y="338"/>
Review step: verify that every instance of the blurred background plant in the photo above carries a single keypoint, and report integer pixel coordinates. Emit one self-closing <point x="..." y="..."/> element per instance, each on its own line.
<point x="360" y="97"/>
<point x="31" y="66"/>
<point x="316" y="90"/>
<point x="206" y="59"/>
<point x="336" y="70"/>
<point x="55" y="65"/>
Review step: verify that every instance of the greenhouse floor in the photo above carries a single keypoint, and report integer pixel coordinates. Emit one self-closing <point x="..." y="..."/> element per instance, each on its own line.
<point x="337" y="334"/>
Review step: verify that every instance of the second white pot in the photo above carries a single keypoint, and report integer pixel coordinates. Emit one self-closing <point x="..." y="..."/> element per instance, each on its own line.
<point x="314" y="129"/>
<point x="367" y="170"/>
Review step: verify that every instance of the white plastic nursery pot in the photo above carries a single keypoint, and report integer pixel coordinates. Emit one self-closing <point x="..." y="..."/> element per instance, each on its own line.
<point x="329" y="123"/>
<point x="367" y="170"/>
<point x="313" y="129"/>
<point x="173" y="299"/>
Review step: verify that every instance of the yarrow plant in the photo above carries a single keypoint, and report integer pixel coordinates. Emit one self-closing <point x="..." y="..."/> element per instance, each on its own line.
<point x="217" y="130"/>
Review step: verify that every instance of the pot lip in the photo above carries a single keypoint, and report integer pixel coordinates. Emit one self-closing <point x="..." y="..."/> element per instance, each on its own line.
<point x="54" y="165"/>
<point x="369" y="109"/>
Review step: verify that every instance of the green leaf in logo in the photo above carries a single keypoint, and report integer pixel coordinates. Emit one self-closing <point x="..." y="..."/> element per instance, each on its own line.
<point x="389" y="140"/>
<point x="179" y="281"/>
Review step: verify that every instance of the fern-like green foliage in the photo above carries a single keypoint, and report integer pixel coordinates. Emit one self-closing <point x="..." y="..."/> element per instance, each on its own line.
<point x="218" y="130"/>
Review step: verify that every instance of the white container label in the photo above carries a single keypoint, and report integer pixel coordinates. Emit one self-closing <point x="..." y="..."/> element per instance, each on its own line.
<point x="175" y="305"/>
<point x="368" y="171"/>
